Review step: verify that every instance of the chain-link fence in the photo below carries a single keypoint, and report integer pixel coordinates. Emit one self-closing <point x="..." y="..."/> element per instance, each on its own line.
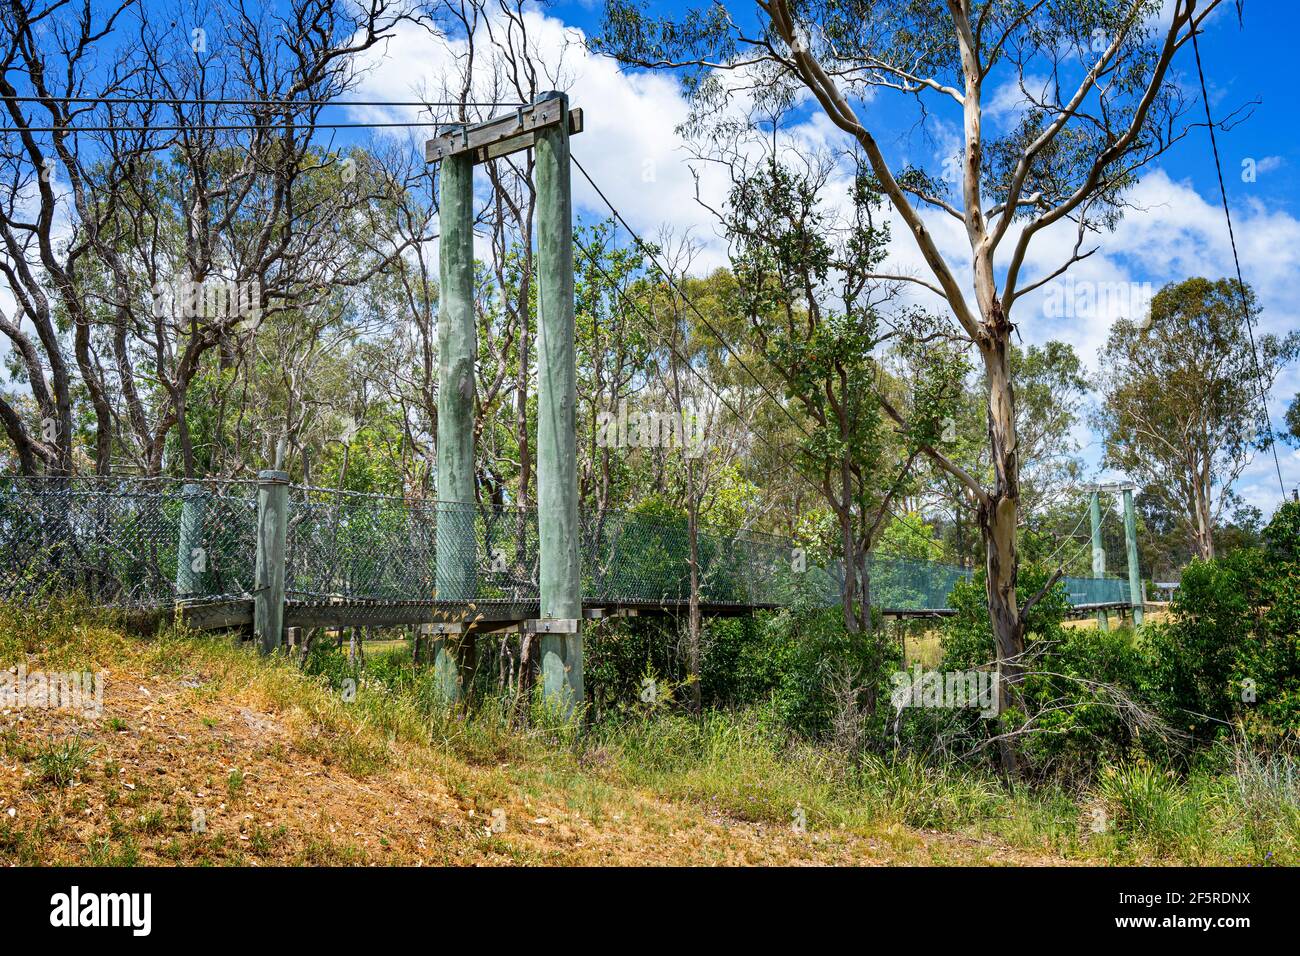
<point x="117" y="540"/>
<point x="646" y="558"/>
<point x="150" y="542"/>
<point x="345" y="545"/>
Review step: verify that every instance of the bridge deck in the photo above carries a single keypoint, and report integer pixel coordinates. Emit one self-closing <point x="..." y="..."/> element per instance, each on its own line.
<point x="489" y="616"/>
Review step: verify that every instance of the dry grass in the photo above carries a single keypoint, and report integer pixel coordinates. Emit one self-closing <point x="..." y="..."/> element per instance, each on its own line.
<point x="205" y="754"/>
<point x="924" y="649"/>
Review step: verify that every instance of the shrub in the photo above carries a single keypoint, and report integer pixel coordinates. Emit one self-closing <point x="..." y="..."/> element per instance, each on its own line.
<point x="1282" y="536"/>
<point x="741" y="664"/>
<point x="1231" y="649"/>
<point x="617" y="654"/>
<point x="1196" y="656"/>
<point x="815" y="657"/>
<point x="798" y="659"/>
<point x="1080" y="686"/>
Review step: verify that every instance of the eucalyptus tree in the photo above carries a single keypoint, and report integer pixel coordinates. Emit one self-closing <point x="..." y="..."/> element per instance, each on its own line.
<point x="54" y="60"/>
<point x="1051" y="391"/>
<point x="1181" y="399"/>
<point x="700" y="428"/>
<point x="615" y="349"/>
<point x="159" y="173"/>
<point x="263" y="207"/>
<point x="1108" y="107"/>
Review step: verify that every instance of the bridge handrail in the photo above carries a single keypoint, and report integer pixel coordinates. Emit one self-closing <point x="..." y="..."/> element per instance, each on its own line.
<point x="117" y="539"/>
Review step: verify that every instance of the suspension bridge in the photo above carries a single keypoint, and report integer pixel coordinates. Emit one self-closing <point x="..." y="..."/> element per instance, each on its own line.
<point x="373" y="560"/>
<point x="271" y="555"/>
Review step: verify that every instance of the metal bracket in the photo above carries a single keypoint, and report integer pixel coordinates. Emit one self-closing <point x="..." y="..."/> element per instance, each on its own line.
<point x="554" y="625"/>
<point x="600" y="613"/>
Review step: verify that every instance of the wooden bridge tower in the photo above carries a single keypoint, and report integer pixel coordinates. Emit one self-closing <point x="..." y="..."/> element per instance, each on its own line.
<point x="545" y="126"/>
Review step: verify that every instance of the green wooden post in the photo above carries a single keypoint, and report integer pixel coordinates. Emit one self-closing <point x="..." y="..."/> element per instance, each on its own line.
<point x="1098" y="555"/>
<point x="557" y="463"/>
<point x="457" y="349"/>
<point x="1131" y="541"/>
<point x="268" y="578"/>
<point x="447" y="679"/>
<point x="191" y="555"/>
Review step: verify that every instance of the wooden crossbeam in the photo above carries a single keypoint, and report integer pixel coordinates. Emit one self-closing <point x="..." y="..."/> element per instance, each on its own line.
<point x="500" y="135"/>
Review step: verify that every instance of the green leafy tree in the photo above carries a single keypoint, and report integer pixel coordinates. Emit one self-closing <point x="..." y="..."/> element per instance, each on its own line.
<point x="1066" y="161"/>
<point x="802" y="282"/>
<point x="1050" y="394"/>
<point x="1231" y="649"/>
<point x="1181" y="403"/>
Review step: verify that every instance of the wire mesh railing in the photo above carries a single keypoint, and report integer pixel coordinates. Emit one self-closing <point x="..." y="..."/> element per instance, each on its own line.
<point x="151" y="542"/>
<point x="1086" y="591"/>
<point x="117" y="541"/>
<point x="346" y="545"/>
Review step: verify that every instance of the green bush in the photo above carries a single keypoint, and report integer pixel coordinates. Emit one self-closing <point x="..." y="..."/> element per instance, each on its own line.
<point x="1078" y="681"/>
<point x="813" y="655"/>
<point x="1197" y="655"/>
<point x="741" y="664"/>
<point x="1282" y="536"/>
<point x="1231" y="649"/>
<point x="617" y="654"/>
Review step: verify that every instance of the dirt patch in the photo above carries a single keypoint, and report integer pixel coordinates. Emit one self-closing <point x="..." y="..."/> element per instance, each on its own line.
<point x="175" y="773"/>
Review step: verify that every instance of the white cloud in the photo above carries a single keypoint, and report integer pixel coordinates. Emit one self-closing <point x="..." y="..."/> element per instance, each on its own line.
<point x="629" y="144"/>
<point x="1011" y="99"/>
<point x="1269" y="164"/>
<point x="1178" y="233"/>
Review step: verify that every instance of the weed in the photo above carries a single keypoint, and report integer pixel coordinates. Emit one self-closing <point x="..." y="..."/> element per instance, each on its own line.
<point x="60" y="764"/>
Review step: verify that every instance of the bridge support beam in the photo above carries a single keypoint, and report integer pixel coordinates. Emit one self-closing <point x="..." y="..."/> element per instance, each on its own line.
<point x="453" y="659"/>
<point x="1131" y="543"/>
<point x="544" y="126"/>
<point x="1098" y="556"/>
<point x="557" y="463"/>
<point x="457" y="348"/>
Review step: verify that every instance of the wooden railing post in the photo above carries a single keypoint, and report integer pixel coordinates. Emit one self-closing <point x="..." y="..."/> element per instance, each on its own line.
<point x="191" y="554"/>
<point x="268" y="583"/>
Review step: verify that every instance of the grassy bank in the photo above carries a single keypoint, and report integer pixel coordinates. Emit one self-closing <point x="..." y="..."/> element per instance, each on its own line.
<point x="205" y="753"/>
